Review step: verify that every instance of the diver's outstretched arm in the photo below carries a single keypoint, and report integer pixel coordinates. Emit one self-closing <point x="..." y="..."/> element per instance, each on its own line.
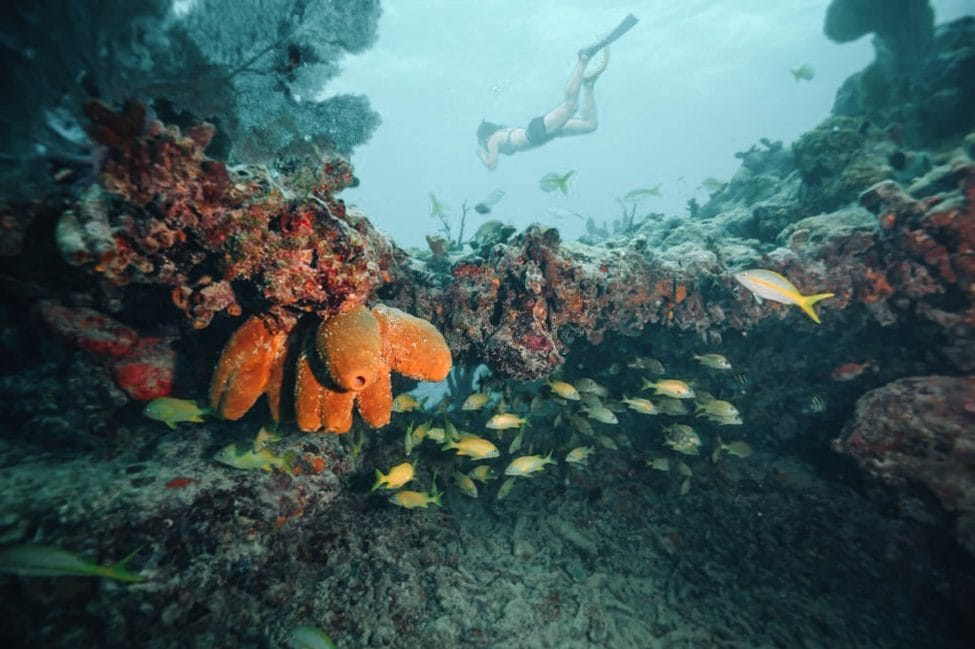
<point x="489" y="154"/>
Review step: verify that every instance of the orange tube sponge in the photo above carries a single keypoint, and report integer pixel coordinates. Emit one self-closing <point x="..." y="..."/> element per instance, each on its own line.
<point x="272" y="390"/>
<point x="242" y="373"/>
<point x="318" y="407"/>
<point x="375" y="403"/>
<point x="412" y="346"/>
<point x="350" y="346"/>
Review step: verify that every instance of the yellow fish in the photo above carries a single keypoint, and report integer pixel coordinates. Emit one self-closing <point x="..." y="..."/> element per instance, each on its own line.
<point x="465" y="484"/>
<point x="738" y="449"/>
<point x="658" y="463"/>
<point x="420" y="432"/>
<point x="506" y="488"/>
<point x="438" y="434"/>
<point x="581" y="425"/>
<point x="51" y="561"/>
<point x="579" y="455"/>
<point x="409" y="441"/>
<point x="638" y="195"/>
<point x="528" y="464"/>
<point x="474" y="447"/>
<point x="804" y="72"/>
<point x="309" y="637"/>
<point x="449" y="430"/>
<point x="714" y="361"/>
<point x="563" y="389"/>
<point x="475" y="401"/>
<point x="413" y="499"/>
<point x="437" y="209"/>
<point x="601" y="413"/>
<point x="673" y="388"/>
<point x="642" y="406"/>
<point x="588" y="385"/>
<point x="732" y="420"/>
<point x="673" y="407"/>
<point x="172" y="411"/>
<point x="516" y="443"/>
<point x="264" y="438"/>
<point x="398" y="476"/>
<point x="646" y="363"/>
<point x="552" y="181"/>
<point x="248" y="459"/>
<point x="406" y="402"/>
<point x="481" y="473"/>
<point x="717" y="408"/>
<point x="504" y="421"/>
<point x="682" y="438"/>
<point x="770" y="285"/>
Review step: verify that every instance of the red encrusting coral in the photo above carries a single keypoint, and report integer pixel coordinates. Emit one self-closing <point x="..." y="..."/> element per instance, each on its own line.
<point x="182" y="220"/>
<point x="143" y="367"/>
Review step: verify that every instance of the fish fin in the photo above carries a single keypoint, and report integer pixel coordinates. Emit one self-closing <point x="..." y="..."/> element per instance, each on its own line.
<point x="170" y="424"/>
<point x="197" y="419"/>
<point x="807" y="302"/>
<point x="379" y="480"/>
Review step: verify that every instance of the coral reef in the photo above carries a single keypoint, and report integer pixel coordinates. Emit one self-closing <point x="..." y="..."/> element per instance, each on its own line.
<point x="354" y="352"/>
<point x="919" y="432"/>
<point x="522" y="306"/>
<point x="920" y="85"/>
<point x="167" y="253"/>
<point x="167" y="215"/>
<point x="257" y="78"/>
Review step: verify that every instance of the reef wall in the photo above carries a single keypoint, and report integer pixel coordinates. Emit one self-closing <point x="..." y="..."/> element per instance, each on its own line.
<point x="159" y="241"/>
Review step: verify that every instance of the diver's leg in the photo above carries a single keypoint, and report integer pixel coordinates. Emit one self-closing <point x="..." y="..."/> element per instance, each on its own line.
<point x="557" y="117"/>
<point x="586" y="122"/>
<point x="593" y="74"/>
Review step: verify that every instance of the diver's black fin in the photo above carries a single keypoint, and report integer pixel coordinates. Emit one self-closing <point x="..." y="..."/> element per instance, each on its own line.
<point x="621" y="29"/>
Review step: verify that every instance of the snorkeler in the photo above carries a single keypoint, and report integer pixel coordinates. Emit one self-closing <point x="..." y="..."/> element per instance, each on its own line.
<point x="495" y="139"/>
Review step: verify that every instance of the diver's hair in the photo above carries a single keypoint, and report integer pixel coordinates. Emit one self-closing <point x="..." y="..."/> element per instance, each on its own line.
<point x="486" y="129"/>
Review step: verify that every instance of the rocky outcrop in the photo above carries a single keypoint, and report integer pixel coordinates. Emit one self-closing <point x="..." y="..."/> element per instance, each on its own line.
<point x="919" y="433"/>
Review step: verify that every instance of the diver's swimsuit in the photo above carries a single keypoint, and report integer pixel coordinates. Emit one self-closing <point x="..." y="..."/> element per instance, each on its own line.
<point x="536" y="131"/>
<point x="505" y="146"/>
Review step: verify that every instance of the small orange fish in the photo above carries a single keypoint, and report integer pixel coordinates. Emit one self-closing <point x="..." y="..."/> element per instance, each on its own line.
<point x="849" y="371"/>
<point x="180" y="482"/>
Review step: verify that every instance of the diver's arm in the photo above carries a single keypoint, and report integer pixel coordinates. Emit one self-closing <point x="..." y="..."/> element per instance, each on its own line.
<point x="489" y="156"/>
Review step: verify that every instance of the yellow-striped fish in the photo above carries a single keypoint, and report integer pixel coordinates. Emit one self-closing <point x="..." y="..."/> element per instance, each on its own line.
<point x="770" y="285"/>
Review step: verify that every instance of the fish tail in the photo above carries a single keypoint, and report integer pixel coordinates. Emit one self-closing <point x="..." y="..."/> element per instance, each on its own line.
<point x="807" y="302"/>
<point x="379" y="480"/>
<point x="288" y="461"/>
<point x="119" y="571"/>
